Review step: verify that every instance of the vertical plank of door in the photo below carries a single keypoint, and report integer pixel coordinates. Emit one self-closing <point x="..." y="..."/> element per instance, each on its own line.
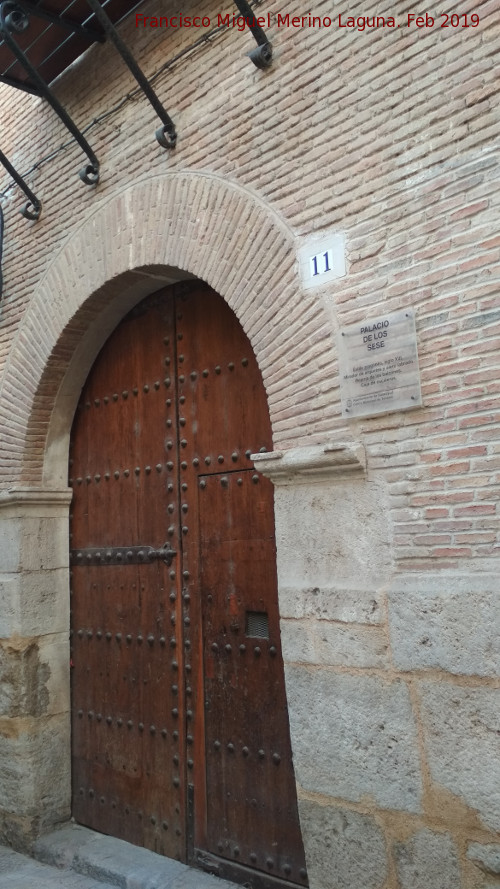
<point x="226" y="419"/>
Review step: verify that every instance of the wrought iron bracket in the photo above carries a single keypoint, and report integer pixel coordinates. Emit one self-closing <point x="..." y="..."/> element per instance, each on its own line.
<point x="33" y="208"/>
<point x="166" y="135"/>
<point x="262" y="55"/>
<point x="14" y="19"/>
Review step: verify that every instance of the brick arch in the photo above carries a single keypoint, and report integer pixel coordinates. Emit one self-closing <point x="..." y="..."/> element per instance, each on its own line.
<point x="158" y="230"/>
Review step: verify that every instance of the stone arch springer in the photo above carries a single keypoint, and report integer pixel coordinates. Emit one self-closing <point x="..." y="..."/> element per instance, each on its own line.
<point x="156" y="231"/>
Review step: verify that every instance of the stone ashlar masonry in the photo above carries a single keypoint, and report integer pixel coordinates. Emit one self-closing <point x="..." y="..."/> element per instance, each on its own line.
<point x="388" y="565"/>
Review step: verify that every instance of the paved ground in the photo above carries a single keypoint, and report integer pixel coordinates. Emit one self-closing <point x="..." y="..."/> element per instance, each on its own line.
<point x="76" y="858"/>
<point x="20" y="872"/>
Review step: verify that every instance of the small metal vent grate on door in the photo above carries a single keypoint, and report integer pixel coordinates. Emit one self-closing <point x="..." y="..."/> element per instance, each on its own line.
<point x="257" y="624"/>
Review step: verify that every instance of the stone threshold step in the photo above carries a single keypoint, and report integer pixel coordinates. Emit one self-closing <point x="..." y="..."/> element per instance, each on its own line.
<point x="113" y="862"/>
<point x="19" y="871"/>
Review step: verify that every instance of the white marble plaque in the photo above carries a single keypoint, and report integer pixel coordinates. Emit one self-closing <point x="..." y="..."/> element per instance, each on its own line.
<point x="378" y="364"/>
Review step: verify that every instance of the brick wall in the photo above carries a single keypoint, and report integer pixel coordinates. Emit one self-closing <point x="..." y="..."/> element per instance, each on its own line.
<point x="349" y="129"/>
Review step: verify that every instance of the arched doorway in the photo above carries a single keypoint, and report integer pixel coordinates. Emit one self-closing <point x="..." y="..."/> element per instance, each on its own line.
<point x="180" y="726"/>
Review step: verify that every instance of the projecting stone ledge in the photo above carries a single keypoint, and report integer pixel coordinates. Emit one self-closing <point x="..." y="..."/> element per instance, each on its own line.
<point x="315" y="463"/>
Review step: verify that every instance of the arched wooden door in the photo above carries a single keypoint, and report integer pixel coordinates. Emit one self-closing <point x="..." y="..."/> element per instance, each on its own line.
<point x="180" y="727"/>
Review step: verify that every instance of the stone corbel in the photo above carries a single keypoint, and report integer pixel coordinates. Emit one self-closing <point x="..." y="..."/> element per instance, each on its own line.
<point x="315" y="463"/>
<point x="24" y="501"/>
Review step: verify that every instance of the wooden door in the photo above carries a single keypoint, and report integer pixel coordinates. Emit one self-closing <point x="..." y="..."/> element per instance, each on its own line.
<point x="180" y="728"/>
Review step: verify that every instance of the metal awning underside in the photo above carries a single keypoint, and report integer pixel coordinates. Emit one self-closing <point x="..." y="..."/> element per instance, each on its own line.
<point x="59" y="32"/>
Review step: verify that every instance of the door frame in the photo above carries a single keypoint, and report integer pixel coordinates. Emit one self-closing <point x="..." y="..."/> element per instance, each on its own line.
<point x="95" y="277"/>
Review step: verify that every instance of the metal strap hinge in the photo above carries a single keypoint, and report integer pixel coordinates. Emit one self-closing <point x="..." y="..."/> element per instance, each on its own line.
<point x="122" y="555"/>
